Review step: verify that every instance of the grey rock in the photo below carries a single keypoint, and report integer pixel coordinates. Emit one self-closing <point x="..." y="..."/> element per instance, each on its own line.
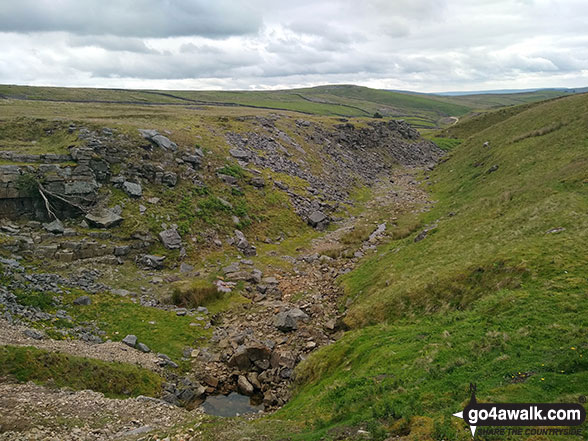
<point x="130" y="340"/>
<point x="151" y="261"/>
<point x="122" y="250"/>
<point x="80" y="187"/>
<point x="243" y="244"/>
<point x="244" y="386"/>
<point x="231" y="180"/>
<point x="288" y="320"/>
<point x="246" y="355"/>
<point x="33" y="333"/>
<point x="185" y="268"/>
<point x="83" y="300"/>
<point x="159" y="140"/>
<point x="377" y="232"/>
<point x="318" y="220"/>
<point x="148" y="133"/>
<point x="103" y="219"/>
<point x="257" y="182"/>
<point x="283" y="358"/>
<point x="225" y="203"/>
<point x="143" y="347"/>
<point x="170" y="179"/>
<point x="133" y="189"/>
<point x="241" y="154"/>
<point x="164" y="142"/>
<point x="232" y="268"/>
<point x="171" y="399"/>
<point x="55" y="227"/>
<point x="137" y="431"/>
<point x="170" y="239"/>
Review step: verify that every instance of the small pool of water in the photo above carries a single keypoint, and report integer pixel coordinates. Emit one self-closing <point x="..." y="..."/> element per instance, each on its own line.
<point x="230" y="405"/>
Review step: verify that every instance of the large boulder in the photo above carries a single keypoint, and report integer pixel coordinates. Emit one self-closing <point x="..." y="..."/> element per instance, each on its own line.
<point x="133" y="189"/>
<point x="170" y="239"/>
<point x="55" y="227"/>
<point x="151" y="261"/>
<point x="83" y="300"/>
<point x="164" y="142"/>
<point x="318" y="220"/>
<point x="103" y="218"/>
<point x="241" y="154"/>
<point x="244" y="386"/>
<point x="159" y="140"/>
<point x="130" y="340"/>
<point x="247" y="355"/>
<point x="170" y="179"/>
<point x="243" y="244"/>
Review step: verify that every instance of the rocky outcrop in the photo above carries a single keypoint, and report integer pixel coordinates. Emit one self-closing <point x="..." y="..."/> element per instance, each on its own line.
<point x="349" y="152"/>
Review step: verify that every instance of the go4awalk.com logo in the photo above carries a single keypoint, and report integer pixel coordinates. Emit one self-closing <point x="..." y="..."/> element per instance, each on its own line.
<point x="507" y="418"/>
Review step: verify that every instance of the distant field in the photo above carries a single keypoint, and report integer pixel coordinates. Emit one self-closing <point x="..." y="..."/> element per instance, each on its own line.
<point x="423" y="111"/>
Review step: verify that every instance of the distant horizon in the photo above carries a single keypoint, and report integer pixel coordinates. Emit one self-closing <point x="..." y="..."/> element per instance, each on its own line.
<point x="442" y="93"/>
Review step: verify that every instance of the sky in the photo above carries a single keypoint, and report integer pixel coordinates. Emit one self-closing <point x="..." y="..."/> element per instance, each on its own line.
<point x="418" y="45"/>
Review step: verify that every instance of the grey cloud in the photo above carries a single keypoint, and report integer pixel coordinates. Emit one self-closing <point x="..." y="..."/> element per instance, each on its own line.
<point x="162" y="66"/>
<point x="403" y="44"/>
<point x="137" y="18"/>
<point x="191" y="48"/>
<point x="110" y="43"/>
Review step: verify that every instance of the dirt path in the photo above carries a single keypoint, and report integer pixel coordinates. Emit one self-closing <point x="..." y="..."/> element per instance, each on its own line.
<point x="29" y="412"/>
<point x="109" y="351"/>
<point x="310" y="286"/>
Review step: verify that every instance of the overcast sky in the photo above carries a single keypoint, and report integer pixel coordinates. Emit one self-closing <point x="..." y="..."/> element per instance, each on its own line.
<point x="420" y="45"/>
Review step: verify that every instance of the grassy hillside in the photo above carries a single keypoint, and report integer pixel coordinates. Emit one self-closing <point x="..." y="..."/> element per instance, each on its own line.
<point x="340" y="100"/>
<point x="495" y="294"/>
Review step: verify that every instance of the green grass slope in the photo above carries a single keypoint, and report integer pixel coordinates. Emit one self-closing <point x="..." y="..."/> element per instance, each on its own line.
<point x="493" y="100"/>
<point x="421" y="110"/>
<point x="490" y="296"/>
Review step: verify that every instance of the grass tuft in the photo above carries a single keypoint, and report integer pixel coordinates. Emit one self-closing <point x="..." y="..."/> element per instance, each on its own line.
<point x="194" y="293"/>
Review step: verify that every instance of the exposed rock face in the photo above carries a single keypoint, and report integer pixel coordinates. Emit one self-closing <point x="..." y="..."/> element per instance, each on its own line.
<point x="349" y="153"/>
<point x="19" y="197"/>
